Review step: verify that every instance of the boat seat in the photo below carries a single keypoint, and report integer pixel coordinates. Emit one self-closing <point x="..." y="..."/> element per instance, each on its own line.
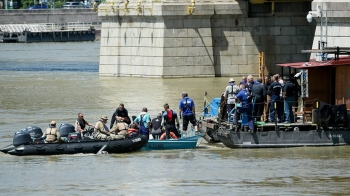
<point x="305" y="111"/>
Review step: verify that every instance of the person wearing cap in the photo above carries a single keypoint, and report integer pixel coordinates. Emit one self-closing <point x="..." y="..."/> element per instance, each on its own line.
<point x="101" y="130"/>
<point x="170" y="117"/>
<point x="52" y="135"/>
<point x="288" y="95"/>
<point x="156" y="123"/>
<point x="230" y="95"/>
<point x="122" y="114"/>
<point x="187" y="111"/>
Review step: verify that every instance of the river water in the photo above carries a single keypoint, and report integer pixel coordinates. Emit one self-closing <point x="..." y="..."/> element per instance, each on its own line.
<point x="41" y="82"/>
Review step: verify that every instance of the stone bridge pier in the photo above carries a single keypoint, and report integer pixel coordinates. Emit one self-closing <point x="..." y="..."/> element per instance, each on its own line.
<point x="165" y="39"/>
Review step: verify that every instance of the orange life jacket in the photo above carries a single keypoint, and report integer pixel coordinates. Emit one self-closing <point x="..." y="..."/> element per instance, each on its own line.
<point x="133" y="130"/>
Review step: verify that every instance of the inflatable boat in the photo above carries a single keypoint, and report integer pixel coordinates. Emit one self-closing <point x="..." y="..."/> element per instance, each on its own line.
<point x="29" y="142"/>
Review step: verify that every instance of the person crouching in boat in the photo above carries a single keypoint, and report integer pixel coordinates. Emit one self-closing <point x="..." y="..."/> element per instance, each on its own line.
<point x="120" y="127"/>
<point x="52" y="135"/>
<point x="101" y="131"/>
<point x="157" y="126"/>
<point x="170" y="116"/>
<point x="133" y="130"/>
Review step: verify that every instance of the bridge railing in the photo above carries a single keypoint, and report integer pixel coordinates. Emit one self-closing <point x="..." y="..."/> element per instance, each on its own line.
<point x="44" y="27"/>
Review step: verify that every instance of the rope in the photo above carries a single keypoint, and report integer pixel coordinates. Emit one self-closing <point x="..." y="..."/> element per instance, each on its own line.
<point x="209" y="104"/>
<point x="209" y="97"/>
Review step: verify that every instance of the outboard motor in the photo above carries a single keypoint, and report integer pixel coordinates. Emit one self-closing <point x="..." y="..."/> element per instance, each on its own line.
<point x="22" y="137"/>
<point x="28" y="135"/>
<point x="65" y="129"/>
<point x="34" y="132"/>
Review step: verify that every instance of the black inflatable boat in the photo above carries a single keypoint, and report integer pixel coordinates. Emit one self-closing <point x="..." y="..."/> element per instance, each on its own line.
<point x="28" y="142"/>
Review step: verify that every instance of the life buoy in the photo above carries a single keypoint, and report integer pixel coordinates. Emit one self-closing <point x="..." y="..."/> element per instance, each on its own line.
<point x="163" y="136"/>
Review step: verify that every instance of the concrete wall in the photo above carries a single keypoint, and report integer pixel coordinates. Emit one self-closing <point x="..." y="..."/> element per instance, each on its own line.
<point x="338" y="16"/>
<point x="49" y="16"/>
<point x="221" y="39"/>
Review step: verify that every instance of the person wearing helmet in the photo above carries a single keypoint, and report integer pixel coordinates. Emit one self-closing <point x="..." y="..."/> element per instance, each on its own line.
<point x="52" y="135"/>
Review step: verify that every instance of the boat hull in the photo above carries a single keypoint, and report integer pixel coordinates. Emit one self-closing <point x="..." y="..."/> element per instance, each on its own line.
<point x="279" y="139"/>
<point x="183" y="143"/>
<point x="210" y="129"/>
<point x="81" y="146"/>
<point x="7" y="148"/>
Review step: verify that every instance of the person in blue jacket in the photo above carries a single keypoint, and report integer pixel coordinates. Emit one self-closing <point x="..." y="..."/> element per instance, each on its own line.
<point x="188" y="112"/>
<point x="245" y="98"/>
<point x="276" y="102"/>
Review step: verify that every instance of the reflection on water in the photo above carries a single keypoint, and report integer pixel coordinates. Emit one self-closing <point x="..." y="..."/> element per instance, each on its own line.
<point x="44" y="82"/>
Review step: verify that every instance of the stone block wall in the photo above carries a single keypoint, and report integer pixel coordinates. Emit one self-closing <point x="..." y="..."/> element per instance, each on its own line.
<point x="49" y="16"/>
<point x="218" y="39"/>
<point x="338" y="29"/>
<point x="167" y="43"/>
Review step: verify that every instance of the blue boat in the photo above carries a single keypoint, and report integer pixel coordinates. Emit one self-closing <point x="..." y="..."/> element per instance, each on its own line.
<point x="182" y="143"/>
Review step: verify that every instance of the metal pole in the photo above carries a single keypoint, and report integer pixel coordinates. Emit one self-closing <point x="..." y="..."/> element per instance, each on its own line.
<point x="235" y="116"/>
<point x="274" y="105"/>
<point x="317" y="114"/>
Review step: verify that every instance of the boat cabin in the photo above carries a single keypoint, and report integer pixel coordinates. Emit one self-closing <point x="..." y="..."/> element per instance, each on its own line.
<point x="326" y="81"/>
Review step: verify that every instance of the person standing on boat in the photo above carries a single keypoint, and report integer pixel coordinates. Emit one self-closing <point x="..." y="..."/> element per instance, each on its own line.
<point x="230" y="95"/>
<point x="250" y="82"/>
<point x="267" y="97"/>
<point x="246" y="100"/>
<point x="275" y="89"/>
<point x="52" y="135"/>
<point x="187" y="111"/>
<point x="258" y="93"/>
<point x="101" y="130"/>
<point x="244" y="80"/>
<point x="170" y="116"/>
<point x="288" y="94"/>
<point x="122" y="113"/>
<point x="83" y="126"/>
<point x="143" y="120"/>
